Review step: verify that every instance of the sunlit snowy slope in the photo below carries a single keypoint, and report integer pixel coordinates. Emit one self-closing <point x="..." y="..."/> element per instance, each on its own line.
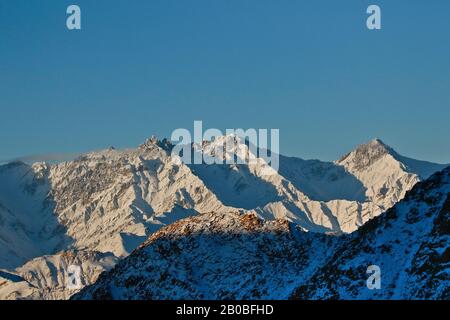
<point x="111" y="201"/>
<point x="232" y="256"/>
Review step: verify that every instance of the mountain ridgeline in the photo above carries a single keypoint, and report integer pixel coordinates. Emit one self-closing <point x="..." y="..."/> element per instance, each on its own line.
<point x="97" y="209"/>
<point x="232" y="256"/>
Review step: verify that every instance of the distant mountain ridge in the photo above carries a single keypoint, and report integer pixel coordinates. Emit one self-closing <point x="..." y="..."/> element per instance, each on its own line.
<point x="111" y="201"/>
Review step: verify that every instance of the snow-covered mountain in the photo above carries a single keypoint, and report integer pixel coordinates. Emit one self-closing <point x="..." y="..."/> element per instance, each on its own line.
<point x="111" y="201"/>
<point x="216" y="256"/>
<point x="410" y="243"/>
<point x="108" y="201"/>
<point x="47" y="277"/>
<point x="232" y="256"/>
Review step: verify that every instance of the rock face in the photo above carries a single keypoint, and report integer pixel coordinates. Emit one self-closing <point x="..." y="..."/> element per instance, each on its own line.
<point x="112" y="200"/>
<point x="233" y="256"/>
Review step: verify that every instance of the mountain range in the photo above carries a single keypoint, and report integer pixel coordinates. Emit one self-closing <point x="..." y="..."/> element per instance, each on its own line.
<point x="96" y="210"/>
<point x="233" y="256"/>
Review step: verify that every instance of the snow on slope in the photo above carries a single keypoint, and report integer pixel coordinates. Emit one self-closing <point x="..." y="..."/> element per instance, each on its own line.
<point x="103" y="201"/>
<point x="46" y="277"/>
<point x="231" y="256"/>
<point x="107" y="199"/>
<point x="215" y="256"/>
<point x="410" y="243"/>
<point x="385" y="179"/>
<point x="322" y="181"/>
<point x="110" y="201"/>
<point x="318" y="196"/>
<point x="28" y="227"/>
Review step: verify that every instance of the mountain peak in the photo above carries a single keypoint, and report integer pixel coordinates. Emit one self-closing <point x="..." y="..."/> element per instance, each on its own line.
<point x="153" y="142"/>
<point x="366" y="154"/>
<point x="377" y="142"/>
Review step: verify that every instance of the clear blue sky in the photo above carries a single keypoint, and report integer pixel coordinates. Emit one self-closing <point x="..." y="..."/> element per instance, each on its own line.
<point x="143" y="67"/>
